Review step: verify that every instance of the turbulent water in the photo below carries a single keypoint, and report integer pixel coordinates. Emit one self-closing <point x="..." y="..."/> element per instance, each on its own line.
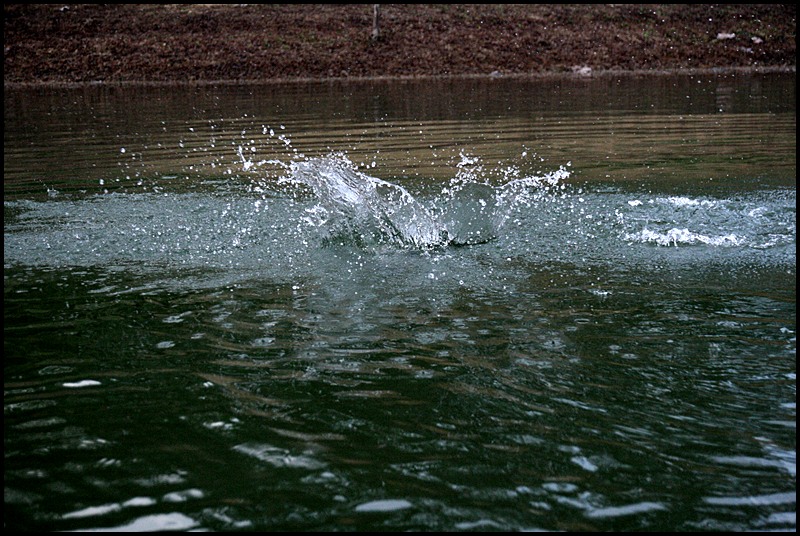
<point x="468" y="211"/>
<point x="262" y="340"/>
<point x="281" y="225"/>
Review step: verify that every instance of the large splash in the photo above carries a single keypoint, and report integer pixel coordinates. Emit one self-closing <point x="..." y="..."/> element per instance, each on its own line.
<point x="268" y="216"/>
<point x="468" y="210"/>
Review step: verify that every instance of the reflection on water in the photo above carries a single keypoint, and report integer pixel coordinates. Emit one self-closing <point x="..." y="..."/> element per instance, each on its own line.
<point x="627" y="129"/>
<point x="492" y="305"/>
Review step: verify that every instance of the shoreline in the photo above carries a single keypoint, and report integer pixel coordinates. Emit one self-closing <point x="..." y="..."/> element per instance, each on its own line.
<point x="554" y="75"/>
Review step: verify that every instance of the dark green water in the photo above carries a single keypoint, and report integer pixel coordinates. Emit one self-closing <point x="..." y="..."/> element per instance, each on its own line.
<point x="207" y="327"/>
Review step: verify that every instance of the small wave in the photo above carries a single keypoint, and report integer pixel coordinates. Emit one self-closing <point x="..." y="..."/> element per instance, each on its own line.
<point x="383" y="506"/>
<point x="82" y="383"/>
<point x="761" y="220"/>
<point x="681" y="201"/>
<point x="278" y="457"/>
<point x="789" y="497"/>
<point x="675" y="237"/>
<point x="626" y="510"/>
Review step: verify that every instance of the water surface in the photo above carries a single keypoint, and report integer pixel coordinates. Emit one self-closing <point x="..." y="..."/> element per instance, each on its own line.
<point x="475" y="305"/>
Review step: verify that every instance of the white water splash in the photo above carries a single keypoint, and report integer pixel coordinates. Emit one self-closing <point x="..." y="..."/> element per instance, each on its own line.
<point x="675" y="237"/>
<point x="273" y="222"/>
<point x="469" y="210"/>
<point x="351" y="201"/>
<point x="757" y="222"/>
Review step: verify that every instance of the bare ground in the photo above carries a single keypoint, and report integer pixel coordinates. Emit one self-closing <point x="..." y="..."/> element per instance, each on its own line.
<point x="169" y="43"/>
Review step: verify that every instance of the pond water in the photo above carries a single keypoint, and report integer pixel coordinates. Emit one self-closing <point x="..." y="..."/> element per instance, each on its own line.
<point x="475" y="305"/>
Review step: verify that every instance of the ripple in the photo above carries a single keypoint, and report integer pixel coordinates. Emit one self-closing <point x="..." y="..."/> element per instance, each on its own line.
<point x="382" y="506"/>
<point x="279" y="457"/>
<point x="626" y="510"/>
<point x="175" y="521"/>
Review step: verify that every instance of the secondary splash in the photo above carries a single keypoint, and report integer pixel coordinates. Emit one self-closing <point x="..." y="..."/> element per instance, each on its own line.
<point x="758" y="222"/>
<point x="469" y="210"/>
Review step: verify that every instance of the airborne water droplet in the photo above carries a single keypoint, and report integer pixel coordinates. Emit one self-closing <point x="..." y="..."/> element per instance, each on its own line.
<point x="468" y="210"/>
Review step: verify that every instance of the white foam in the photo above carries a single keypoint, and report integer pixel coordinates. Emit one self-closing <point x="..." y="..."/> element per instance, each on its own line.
<point x="82" y="383"/>
<point x="676" y="236"/>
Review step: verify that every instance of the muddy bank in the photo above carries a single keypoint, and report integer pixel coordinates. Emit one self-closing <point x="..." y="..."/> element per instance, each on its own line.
<point x="177" y="43"/>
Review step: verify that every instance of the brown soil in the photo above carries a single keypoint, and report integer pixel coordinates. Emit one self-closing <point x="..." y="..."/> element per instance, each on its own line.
<point x="165" y="43"/>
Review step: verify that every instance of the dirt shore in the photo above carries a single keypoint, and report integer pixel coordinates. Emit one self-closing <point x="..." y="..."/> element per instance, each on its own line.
<point x="175" y="43"/>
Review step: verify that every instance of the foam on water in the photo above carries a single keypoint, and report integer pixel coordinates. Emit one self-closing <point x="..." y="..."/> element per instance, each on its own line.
<point x="760" y="221"/>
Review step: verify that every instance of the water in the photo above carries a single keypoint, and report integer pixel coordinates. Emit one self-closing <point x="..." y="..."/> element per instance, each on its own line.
<point x="485" y="305"/>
